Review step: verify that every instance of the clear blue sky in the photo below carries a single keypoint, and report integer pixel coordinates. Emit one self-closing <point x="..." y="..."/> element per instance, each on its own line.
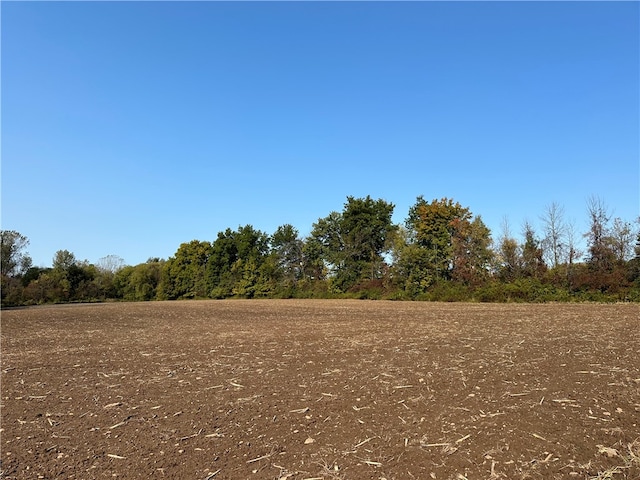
<point x="129" y="128"/>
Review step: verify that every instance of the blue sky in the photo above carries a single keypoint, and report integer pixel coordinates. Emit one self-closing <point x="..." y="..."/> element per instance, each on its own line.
<point x="129" y="128"/>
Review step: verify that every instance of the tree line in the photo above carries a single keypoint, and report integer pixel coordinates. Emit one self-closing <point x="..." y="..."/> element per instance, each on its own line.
<point x="441" y="252"/>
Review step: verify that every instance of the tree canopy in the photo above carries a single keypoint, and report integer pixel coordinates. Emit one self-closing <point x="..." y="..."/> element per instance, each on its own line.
<point x="443" y="251"/>
<point x="352" y="243"/>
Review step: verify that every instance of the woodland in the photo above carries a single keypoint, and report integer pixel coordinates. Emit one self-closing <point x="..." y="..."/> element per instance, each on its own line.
<point x="442" y="252"/>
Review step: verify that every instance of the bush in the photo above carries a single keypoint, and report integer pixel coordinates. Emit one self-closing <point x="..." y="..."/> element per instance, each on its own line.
<point x="367" y="290"/>
<point x="522" y="290"/>
<point x="448" y="292"/>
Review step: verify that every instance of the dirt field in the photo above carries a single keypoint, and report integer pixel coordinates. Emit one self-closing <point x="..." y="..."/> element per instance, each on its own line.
<point x="321" y="389"/>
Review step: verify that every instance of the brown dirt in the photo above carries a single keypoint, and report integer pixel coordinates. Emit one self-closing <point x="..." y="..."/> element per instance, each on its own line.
<point x="321" y="389"/>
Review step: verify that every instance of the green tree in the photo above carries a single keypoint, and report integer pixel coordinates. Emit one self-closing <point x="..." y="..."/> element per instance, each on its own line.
<point x="32" y="274"/>
<point x="44" y="289"/>
<point x="63" y="260"/>
<point x="411" y="270"/>
<point x="443" y="242"/>
<point x="287" y="251"/>
<point x="224" y="254"/>
<point x="314" y="268"/>
<point x="14" y="262"/>
<point x="433" y="229"/>
<point x="472" y="255"/>
<point x="251" y="279"/>
<point x="352" y="244"/>
<point x="72" y="280"/>
<point x="139" y="283"/>
<point x="237" y="258"/>
<point x="185" y="274"/>
<point x="508" y="259"/>
<point x="368" y="228"/>
<point x="533" y="264"/>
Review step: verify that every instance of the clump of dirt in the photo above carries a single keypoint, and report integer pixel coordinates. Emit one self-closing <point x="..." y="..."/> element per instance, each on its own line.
<point x="301" y="389"/>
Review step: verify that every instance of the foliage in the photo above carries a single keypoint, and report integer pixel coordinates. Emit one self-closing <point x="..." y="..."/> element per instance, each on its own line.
<point x="14" y="261"/>
<point x="352" y="243"/>
<point x="533" y="264"/>
<point x="287" y="256"/>
<point x="433" y="227"/>
<point x="508" y="259"/>
<point x="472" y="256"/>
<point x="139" y="283"/>
<point x="236" y="260"/>
<point x="185" y="274"/>
<point x="442" y="253"/>
<point x="442" y="242"/>
<point x="413" y="271"/>
<point x="520" y="290"/>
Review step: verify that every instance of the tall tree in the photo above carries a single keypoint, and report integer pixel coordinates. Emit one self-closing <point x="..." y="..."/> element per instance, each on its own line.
<point x="110" y="264"/>
<point x="621" y="240"/>
<point x="555" y="231"/>
<point x="532" y="254"/>
<point x="63" y="260"/>
<point x="139" y="283"/>
<point x="73" y="279"/>
<point x="634" y="263"/>
<point x="287" y="248"/>
<point x="352" y="243"/>
<point x="367" y="225"/>
<point x="573" y="252"/>
<point x="14" y="260"/>
<point x="107" y="268"/>
<point x="14" y="263"/>
<point x="472" y="255"/>
<point x="508" y="254"/>
<point x="237" y="258"/>
<point x="412" y="266"/>
<point x="314" y="267"/>
<point x="185" y="274"/>
<point x="224" y="255"/>
<point x="327" y="243"/>
<point x="445" y="242"/>
<point x="601" y="256"/>
<point x="433" y="228"/>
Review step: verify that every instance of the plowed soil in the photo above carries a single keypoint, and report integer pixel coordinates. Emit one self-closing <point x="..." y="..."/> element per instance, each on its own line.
<point x="304" y="389"/>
